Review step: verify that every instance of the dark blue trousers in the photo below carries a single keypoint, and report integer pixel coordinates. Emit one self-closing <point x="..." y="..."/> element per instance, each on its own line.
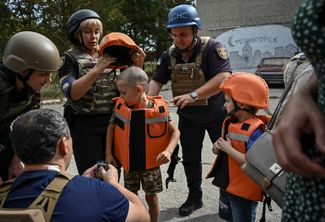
<point x="192" y="136"/>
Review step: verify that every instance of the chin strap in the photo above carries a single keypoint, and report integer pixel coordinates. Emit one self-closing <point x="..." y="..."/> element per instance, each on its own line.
<point x="250" y="110"/>
<point x="25" y="78"/>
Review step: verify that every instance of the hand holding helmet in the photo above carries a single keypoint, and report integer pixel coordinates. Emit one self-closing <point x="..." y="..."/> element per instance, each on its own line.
<point x="138" y="58"/>
<point x="123" y="48"/>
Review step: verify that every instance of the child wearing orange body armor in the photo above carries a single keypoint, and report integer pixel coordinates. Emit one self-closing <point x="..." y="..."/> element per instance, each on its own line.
<point x="143" y="136"/>
<point x="245" y="93"/>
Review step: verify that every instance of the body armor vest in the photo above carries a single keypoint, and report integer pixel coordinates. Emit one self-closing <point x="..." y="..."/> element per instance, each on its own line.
<point x="98" y="99"/>
<point x="188" y="77"/>
<point x="227" y="171"/>
<point x="50" y="196"/>
<point x="140" y="134"/>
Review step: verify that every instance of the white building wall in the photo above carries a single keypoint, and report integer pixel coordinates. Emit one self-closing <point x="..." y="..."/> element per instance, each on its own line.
<point x="222" y="15"/>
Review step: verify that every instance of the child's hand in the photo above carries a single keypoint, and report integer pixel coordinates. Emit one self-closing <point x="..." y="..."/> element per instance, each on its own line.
<point x="216" y="148"/>
<point x="164" y="156"/>
<point x="223" y="144"/>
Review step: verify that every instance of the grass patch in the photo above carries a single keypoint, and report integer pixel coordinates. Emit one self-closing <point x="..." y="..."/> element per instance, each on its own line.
<point x="150" y="68"/>
<point x="52" y="91"/>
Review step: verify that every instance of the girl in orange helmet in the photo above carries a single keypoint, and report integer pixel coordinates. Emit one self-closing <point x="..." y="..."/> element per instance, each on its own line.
<point x="245" y="94"/>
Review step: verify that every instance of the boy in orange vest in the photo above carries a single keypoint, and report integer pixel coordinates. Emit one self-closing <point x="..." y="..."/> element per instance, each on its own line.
<point x="143" y="136"/>
<point x="245" y="94"/>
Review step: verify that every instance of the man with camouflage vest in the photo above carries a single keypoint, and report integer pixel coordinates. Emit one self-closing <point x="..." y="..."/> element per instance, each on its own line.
<point x="27" y="64"/>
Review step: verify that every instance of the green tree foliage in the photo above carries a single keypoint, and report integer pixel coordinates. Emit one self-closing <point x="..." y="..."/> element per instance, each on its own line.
<point x="143" y="20"/>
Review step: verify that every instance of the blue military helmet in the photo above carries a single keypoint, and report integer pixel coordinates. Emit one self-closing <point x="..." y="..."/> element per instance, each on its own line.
<point x="183" y="15"/>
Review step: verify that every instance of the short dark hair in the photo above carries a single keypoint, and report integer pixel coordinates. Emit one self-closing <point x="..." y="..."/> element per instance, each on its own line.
<point x="35" y="135"/>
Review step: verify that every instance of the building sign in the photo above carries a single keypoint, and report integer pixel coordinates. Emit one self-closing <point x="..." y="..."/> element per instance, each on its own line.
<point x="248" y="45"/>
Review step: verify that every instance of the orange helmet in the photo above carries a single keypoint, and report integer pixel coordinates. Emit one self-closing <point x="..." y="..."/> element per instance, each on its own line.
<point x="120" y="46"/>
<point x="247" y="88"/>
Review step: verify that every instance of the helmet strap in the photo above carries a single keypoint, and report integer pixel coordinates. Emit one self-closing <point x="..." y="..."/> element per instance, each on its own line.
<point x="195" y="38"/>
<point x="25" y="78"/>
<point x="234" y="111"/>
<point x="250" y="110"/>
<point x="82" y="41"/>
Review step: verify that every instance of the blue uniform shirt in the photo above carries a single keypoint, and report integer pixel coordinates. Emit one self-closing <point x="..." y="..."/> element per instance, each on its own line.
<point x="83" y="199"/>
<point x="211" y="65"/>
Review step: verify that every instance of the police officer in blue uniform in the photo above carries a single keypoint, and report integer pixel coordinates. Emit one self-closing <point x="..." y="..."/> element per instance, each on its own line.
<point x="196" y="66"/>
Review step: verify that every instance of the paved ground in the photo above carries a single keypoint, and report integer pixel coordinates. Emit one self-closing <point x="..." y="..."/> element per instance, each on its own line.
<point x="171" y="199"/>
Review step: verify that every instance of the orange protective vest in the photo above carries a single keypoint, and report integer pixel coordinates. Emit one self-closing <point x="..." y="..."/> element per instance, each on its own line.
<point x="140" y="134"/>
<point x="226" y="170"/>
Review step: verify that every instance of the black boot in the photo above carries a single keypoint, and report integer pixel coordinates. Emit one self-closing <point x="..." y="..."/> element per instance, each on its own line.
<point x="190" y="206"/>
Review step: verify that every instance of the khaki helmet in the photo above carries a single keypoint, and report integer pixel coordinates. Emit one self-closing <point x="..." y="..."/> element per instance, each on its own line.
<point x="119" y="46"/>
<point x="247" y="88"/>
<point x="31" y="50"/>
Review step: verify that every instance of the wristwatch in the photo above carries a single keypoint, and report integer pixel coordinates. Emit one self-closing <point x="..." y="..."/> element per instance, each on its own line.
<point x="194" y="95"/>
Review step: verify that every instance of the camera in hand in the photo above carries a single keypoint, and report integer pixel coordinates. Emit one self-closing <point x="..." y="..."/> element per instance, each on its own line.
<point x="101" y="163"/>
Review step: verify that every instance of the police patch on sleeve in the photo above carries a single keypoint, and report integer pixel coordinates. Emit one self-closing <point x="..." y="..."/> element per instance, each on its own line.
<point x="222" y="52"/>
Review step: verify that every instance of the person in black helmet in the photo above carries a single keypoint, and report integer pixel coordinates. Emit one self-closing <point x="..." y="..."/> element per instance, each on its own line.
<point x="196" y="66"/>
<point x="89" y="87"/>
<point x="27" y="64"/>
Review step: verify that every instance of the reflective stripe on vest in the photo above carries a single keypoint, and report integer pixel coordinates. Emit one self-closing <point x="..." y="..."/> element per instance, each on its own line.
<point x="147" y="121"/>
<point x="140" y="135"/>
<point x="238" y="136"/>
<point x="98" y="99"/>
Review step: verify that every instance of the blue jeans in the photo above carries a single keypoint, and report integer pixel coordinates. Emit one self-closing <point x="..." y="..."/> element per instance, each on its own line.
<point x="235" y="208"/>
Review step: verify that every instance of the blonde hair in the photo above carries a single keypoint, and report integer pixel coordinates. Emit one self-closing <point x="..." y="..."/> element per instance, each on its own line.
<point x="92" y="22"/>
<point x="134" y="76"/>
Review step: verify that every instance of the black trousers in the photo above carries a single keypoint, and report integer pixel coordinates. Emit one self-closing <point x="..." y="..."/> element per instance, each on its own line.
<point x="89" y="139"/>
<point x="192" y="136"/>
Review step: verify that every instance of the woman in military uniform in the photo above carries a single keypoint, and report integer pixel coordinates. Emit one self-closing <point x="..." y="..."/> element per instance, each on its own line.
<point x="89" y="87"/>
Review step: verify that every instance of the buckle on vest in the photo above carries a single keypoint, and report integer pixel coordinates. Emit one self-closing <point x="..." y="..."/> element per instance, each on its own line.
<point x="266" y="183"/>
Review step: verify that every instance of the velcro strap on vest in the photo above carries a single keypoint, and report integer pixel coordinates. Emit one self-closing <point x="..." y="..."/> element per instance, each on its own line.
<point x="4" y="190"/>
<point x="48" y="198"/>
